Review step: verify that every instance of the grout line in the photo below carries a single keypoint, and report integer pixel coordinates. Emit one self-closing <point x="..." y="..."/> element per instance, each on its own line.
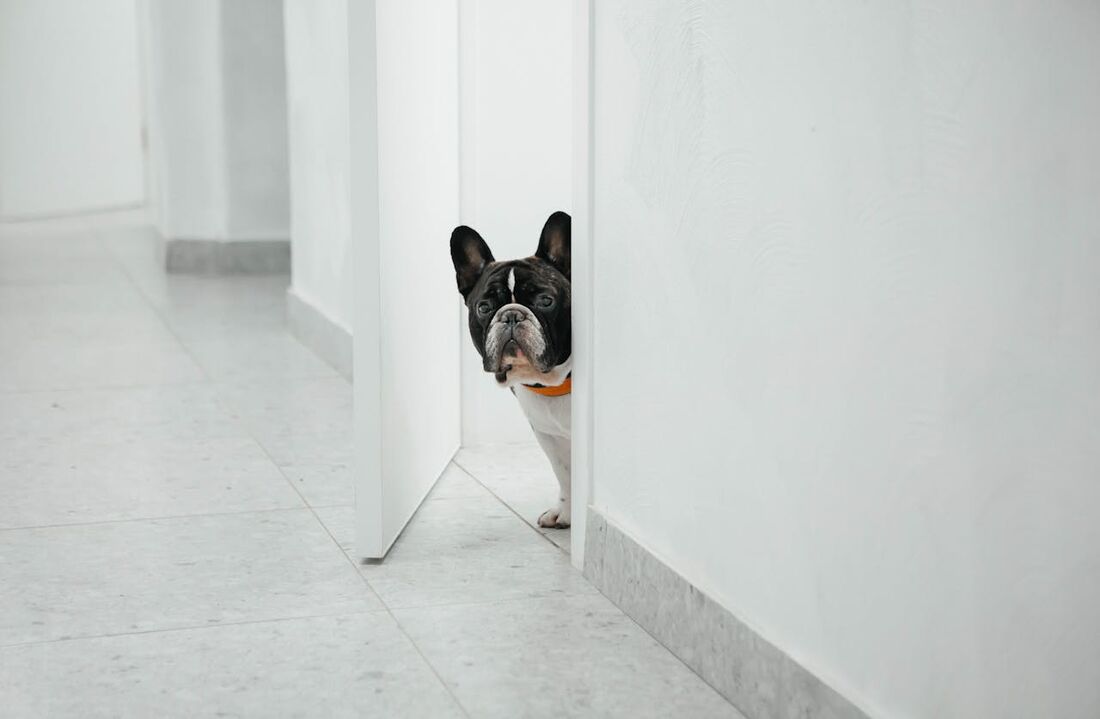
<point x="160" y="315"/>
<point x="105" y="387"/>
<point x="537" y="530"/>
<point x="196" y="627"/>
<point x="506" y="600"/>
<point x="385" y="606"/>
<point x="420" y="652"/>
<point x="381" y="601"/>
<point x="158" y="518"/>
<point x="86" y="216"/>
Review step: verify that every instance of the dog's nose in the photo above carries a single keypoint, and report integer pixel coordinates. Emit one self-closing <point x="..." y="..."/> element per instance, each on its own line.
<point x="512" y="317"/>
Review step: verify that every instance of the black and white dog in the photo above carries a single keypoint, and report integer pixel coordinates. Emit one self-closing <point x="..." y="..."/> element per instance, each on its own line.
<point x="520" y="323"/>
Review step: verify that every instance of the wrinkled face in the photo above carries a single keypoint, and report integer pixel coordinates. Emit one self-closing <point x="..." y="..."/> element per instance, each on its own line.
<point x="519" y="310"/>
<point x="520" y="318"/>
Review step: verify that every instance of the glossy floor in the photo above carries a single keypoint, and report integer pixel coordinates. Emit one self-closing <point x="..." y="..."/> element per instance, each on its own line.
<point x="175" y="524"/>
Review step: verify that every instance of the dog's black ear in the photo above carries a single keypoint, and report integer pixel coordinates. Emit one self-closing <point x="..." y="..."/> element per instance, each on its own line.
<point x="554" y="244"/>
<point x="470" y="255"/>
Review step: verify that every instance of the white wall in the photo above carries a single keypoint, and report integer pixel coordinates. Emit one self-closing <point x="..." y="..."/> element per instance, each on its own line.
<point x="186" y="142"/>
<point x="317" y="96"/>
<point x="404" y="203"/>
<point x="516" y="95"/>
<point x="217" y="118"/>
<point x="847" y="334"/>
<point x="70" y="109"/>
<point x="254" y="88"/>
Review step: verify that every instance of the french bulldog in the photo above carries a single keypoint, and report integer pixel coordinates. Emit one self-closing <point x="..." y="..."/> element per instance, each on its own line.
<point x="519" y="315"/>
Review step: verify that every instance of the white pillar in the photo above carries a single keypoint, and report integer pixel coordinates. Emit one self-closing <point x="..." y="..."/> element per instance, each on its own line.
<point x="216" y="106"/>
<point x="319" y="302"/>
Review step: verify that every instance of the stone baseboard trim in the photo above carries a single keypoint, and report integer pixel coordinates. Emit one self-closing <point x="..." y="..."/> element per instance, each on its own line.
<point x="234" y="257"/>
<point x="755" y="676"/>
<point x="329" y="340"/>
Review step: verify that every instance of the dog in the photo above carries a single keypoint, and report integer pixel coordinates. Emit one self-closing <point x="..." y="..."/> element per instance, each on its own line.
<point x="520" y="323"/>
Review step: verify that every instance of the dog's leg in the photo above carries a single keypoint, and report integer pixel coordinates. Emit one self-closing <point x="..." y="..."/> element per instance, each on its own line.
<point x="557" y="451"/>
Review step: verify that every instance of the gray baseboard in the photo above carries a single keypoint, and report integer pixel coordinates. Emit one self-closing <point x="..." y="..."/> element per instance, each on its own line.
<point x="330" y="341"/>
<point x="754" y="675"/>
<point x="233" y="257"/>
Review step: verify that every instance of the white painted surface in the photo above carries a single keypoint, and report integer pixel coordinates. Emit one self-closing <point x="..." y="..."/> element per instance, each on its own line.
<point x="847" y="334"/>
<point x="217" y="119"/>
<point x="317" y="95"/>
<point x="583" y="447"/>
<point x="254" y="87"/>
<point x="516" y="74"/>
<point x="70" y="109"/>
<point x="186" y="142"/>
<point x="404" y="199"/>
<point x="363" y="212"/>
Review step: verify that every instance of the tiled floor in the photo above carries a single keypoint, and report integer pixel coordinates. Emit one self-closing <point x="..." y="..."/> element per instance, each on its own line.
<point x="175" y="524"/>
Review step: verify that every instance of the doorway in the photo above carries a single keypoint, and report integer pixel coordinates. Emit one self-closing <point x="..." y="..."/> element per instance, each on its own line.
<point x="514" y="156"/>
<point x="516" y="137"/>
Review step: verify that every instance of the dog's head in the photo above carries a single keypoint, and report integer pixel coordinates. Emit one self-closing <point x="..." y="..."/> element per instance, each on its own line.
<point x="519" y="309"/>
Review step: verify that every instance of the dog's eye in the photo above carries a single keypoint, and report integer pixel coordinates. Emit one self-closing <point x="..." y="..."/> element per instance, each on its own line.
<point x="484" y="307"/>
<point x="545" y="301"/>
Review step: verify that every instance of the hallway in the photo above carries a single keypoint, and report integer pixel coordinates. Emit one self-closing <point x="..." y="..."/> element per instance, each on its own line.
<point x="175" y="519"/>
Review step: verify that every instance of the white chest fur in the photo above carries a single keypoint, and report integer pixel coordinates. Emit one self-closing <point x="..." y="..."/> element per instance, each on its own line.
<point x="548" y="415"/>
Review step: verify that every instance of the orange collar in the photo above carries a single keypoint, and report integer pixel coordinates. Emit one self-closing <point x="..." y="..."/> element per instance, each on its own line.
<point x="562" y="389"/>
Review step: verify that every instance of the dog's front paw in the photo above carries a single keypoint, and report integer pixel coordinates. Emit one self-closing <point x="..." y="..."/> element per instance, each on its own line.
<point x="556" y="517"/>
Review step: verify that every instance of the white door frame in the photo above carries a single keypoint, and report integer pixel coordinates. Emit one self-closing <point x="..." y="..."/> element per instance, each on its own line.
<point x="583" y="307"/>
<point x="364" y="180"/>
<point x="366" y="299"/>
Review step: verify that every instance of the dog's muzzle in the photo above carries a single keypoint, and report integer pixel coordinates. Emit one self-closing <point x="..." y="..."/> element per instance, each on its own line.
<point x="514" y="332"/>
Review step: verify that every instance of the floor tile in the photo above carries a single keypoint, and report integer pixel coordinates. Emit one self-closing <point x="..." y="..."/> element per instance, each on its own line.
<point x="452" y="484"/>
<point x="200" y="298"/>
<point x="308" y="448"/>
<point x="340" y="522"/>
<point x="77" y="313"/>
<point x="490" y="557"/>
<point x="520" y="475"/>
<point x="138" y="248"/>
<point x="322" y="485"/>
<point x="304" y="424"/>
<point x="358" y="665"/>
<point x="187" y="410"/>
<point x="276" y="408"/>
<point x="56" y="363"/>
<point x="456" y="483"/>
<point x="248" y="357"/>
<point x="62" y="254"/>
<point x="124" y="476"/>
<point x="96" y="579"/>
<point x="198" y="308"/>
<point x="230" y="326"/>
<point x="89" y="456"/>
<point x="470" y="550"/>
<point x="554" y="657"/>
<point x="197" y="305"/>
